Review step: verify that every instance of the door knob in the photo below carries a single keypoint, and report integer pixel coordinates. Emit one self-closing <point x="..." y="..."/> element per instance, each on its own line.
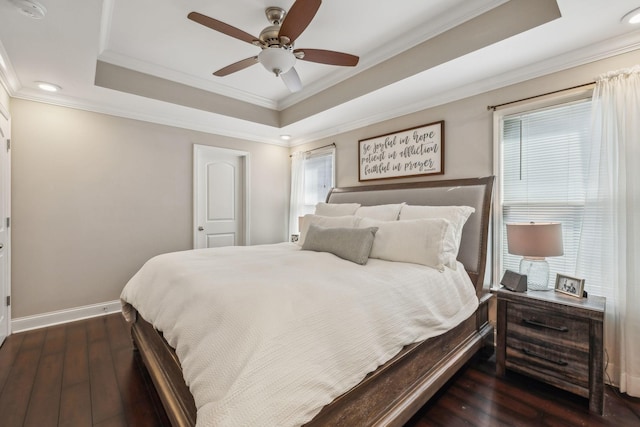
<point x="200" y="228"/>
<point x="1" y="245"/>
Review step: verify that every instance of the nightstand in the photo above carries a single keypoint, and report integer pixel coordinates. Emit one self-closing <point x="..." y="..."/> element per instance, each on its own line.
<point x="554" y="338"/>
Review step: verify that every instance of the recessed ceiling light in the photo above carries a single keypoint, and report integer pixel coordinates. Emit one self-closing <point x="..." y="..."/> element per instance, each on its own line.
<point x="632" y="17"/>
<point x="285" y="137"/>
<point x="30" y="8"/>
<point x="49" y="87"/>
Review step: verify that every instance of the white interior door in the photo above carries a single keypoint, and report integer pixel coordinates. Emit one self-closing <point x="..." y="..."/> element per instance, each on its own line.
<point x="5" y="237"/>
<point x="220" y="197"/>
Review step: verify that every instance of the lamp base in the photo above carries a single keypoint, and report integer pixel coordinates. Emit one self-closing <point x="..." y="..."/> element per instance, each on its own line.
<point x="537" y="271"/>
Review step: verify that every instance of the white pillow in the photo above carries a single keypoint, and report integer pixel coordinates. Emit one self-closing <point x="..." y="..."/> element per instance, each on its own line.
<point x="380" y="212"/>
<point x="429" y="242"/>
<point x="336" y="209"/>
<point x="326" y="222"/>
<point x="457" y="215"/>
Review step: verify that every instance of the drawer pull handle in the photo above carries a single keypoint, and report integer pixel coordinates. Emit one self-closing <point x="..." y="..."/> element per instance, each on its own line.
<point x="542" y="325"/>
<point x="539" y="356"/>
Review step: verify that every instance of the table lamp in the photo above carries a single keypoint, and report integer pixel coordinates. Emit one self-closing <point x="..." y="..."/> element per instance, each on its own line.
<point x="535" y="241"/>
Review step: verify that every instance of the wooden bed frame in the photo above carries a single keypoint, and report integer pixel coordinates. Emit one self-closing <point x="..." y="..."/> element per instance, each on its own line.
<point x="394" y="392"/>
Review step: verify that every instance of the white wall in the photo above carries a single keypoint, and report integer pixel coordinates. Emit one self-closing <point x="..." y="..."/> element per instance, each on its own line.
<point x="95" y="196"/>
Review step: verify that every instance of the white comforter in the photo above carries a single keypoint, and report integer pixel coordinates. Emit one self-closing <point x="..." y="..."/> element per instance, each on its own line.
<point x="268" y="335"/>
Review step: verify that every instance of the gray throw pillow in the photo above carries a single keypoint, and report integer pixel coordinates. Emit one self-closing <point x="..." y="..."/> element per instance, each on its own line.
<point x="352" y="244"/>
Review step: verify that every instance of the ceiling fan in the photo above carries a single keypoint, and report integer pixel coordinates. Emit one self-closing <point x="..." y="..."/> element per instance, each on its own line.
<point x="277" y="43"/>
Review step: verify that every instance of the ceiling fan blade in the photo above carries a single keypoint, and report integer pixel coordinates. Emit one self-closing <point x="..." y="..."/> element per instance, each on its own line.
<point x="220" y="26"/>
<point x="298" y="18"/>
<point x="328" y="57"/>
<point x="237" y="66"/>
<point x="291" y="80"/>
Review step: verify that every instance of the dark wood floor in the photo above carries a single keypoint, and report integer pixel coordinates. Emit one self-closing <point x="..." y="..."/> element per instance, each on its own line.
<point x="85" y="373"/>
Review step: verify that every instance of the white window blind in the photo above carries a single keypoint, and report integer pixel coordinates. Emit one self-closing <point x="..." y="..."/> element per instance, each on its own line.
<point x="545" y="156"/>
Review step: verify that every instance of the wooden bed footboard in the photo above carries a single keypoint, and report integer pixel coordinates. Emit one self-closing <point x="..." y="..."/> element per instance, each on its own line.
<point x="165" y="372"/>
<point x="388" y="396"/>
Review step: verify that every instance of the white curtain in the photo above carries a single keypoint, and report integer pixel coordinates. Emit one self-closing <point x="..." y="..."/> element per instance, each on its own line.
<point x="297" y="190"/>
<point x="609" y="256"/>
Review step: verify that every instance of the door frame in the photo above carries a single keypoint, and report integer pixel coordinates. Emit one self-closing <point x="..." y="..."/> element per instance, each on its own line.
<point x="6" y="194"/>
<point x="198" y="150"/>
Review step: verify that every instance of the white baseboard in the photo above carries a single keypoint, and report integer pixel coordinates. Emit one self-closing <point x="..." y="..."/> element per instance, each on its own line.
<point x="27" y="323"/>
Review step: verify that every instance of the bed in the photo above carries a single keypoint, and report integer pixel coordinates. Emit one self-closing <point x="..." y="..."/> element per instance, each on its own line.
<point x="392" y="393"/>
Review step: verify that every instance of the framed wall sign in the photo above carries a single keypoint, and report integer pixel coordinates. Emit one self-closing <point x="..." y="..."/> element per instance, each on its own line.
<point x="411" y="152"/>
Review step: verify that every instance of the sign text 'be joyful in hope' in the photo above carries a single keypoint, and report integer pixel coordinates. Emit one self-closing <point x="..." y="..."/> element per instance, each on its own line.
<point x="411" y="152"/>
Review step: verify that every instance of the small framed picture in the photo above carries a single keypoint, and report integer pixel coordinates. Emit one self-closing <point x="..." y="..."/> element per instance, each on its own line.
<point x="569" y="285"/>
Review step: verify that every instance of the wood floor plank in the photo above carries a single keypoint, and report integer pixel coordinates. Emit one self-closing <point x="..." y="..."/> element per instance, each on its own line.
<point x="572" y="411"/>
<point x="17" y="390"/>
<point x="480" y="402"/>
<point x="75" y="405"/>
<point x="44" y="404"/>
<point x="8" y="353"/>
<point x="439" y="416"/>
<point x="96" y="329"/>
<point x="33" y="340"/>
<point x="117" y="421"/>
<point x="118" y="332"/>
<point x="76" y="356"/>
<point x="105" y="395"/>
<point x="130" y="382"/>
<point x="55" y="339"/>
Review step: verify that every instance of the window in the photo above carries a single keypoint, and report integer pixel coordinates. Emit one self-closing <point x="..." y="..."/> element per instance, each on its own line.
<point x="312" y="176"/>
<point x="545" y="155"/>
<point x="318" y="179"/>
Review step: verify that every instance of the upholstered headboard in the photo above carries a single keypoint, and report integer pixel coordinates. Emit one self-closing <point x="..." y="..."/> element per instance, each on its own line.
<point x="474" y="192"/>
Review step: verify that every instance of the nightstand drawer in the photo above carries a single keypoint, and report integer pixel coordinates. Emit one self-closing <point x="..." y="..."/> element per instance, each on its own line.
<point x="540" y="327"/>
<point x="547" y="362"/>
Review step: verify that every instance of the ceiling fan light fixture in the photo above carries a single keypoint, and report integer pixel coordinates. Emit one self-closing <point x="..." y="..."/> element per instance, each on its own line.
<point x="277" y="60"/>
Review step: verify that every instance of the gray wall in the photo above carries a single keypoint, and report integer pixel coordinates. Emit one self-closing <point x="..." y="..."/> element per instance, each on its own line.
<point x="95" y="196"/>
<point x="468" y="124"/>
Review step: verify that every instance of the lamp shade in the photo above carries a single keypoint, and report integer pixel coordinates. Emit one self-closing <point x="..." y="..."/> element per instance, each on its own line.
<point x="535" y="239"/>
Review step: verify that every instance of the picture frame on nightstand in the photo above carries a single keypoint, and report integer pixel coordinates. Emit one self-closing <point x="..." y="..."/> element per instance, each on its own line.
<point x="570" y="285"/>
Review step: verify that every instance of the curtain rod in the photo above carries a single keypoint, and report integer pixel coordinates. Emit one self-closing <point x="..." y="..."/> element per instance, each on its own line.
<point x="333" y="144"/>
<point x="495" y="107"/>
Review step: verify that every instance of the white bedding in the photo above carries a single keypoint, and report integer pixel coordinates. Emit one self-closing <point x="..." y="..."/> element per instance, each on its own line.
<point x="267" y="335"/>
